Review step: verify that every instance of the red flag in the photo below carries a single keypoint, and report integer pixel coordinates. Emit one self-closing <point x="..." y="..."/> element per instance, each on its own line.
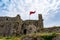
<point x="32" y="12"/>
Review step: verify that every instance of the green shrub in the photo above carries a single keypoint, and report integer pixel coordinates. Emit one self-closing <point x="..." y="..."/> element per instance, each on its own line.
<point x="49" y="37"/>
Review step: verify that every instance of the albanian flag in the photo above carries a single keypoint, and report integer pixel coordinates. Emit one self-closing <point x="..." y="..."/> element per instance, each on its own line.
<point x="32" y="12"/>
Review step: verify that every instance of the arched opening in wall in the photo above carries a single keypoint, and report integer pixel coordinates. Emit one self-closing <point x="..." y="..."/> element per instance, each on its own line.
<point x="24" y="31"/>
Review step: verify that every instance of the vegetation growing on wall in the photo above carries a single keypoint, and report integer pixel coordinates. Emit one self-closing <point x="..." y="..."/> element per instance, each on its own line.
<point x="45" y="36"/>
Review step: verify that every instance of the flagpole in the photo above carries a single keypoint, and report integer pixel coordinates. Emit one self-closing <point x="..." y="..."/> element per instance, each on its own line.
<point x="29" y="18"/>
<point x="31" y="12"/>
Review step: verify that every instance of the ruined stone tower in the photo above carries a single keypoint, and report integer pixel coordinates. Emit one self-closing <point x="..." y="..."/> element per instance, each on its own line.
<point x="16" y="26"/>
<point x="40" y="21"/>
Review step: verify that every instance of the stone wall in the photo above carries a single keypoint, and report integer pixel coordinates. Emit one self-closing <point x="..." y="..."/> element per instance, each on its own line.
<point x="41" y="37"/>
<point x="10" y="26"/>
<point x="16" y="26"/>
<point x="32" y="38"/>
<point x="50" y="30"/>
<point x="56" y="38"/>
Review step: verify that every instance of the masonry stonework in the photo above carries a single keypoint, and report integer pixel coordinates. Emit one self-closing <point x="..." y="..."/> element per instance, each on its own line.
<point x="16" y="26"/>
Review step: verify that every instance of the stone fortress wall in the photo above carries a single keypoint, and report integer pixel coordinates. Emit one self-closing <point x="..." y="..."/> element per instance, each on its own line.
<point x="16" y="26"/>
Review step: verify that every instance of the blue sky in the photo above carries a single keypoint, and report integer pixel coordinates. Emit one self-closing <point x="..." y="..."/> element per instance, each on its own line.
<point x="50" y="9"/>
